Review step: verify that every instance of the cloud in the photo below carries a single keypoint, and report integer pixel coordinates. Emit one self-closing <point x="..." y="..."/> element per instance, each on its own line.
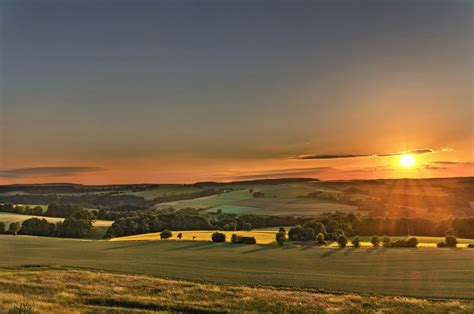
<point x="46" y="172"/>
<point x="280" y="173"/>
<point x="452" y="162"/>
<point x="339" y="156"/>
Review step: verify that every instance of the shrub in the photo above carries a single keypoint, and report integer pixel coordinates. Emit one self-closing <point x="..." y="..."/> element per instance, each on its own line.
<point x="355" y="242"/>
<point x="470" y="245"/>
<point x="280" y="237"/>
<point x="386" y="241"/>
<point x="13" y="228"/>
<point x="451" y="241"/>
<point x="218" y="237"/>
<point x="342" y="240"/>
<point x="3" y="227"/>
<point x="441" y="244"/>
<point x="180" y="235"/>
<point x="320" y="238"/>
<point x="412" y="242"/>
<point x="375" y="241"/>
<point x="242" y="240"/>
<point x="166" y="234"/>
<point x="310" y="235"/>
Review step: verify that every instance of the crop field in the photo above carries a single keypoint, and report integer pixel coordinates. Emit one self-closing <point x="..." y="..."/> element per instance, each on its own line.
<point x="69" y="290"/>
<point x="423" y="242"/>
<point x="437" y="273"/>
<point x="262" y="236"/>
<point x="12" y="217"/>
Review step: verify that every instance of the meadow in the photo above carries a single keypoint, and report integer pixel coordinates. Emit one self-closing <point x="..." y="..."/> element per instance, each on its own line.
<point x="432" y="273"/>
<point x="60" y="290"/>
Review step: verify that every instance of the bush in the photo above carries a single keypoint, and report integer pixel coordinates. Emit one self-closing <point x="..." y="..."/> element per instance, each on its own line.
<point x="13" y="228"/>
<point x="180" y="235"/>
<point x="218" y="237"/>
<point x="24" y="308"/>
<point x="375" y="241"/>
<point x="247" y="226"/>
<point x="236" y="239"/>
<point x="386" y="241"/>
<point x="355" y="242"/>
<point x="342" y="240"/>
<point x="3" y="227"/>
<point x="310" y="235"/>
<point x="451" y="241"/>
<point x="412" y="242"/>
<point x="166" y="234"/>
<point x="441" y="244"/>
<point x="280" y="238"/>
<point x="320" y="238"/>
<point x="471" y="245"/>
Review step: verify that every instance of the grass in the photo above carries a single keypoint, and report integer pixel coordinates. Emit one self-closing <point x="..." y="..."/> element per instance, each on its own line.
<point x="63" y="290"/>
<point x="286" y="202"/>
<point x="262" y="237"/>
<point x="436" y="273"/>
<point x="12" y="217"/>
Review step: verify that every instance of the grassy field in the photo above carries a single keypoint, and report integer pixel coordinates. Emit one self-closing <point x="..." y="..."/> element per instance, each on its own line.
<point x="64" y="290"/>
<point x="12" y="217"/>
<point x="262" y="236"/>
<point x="285" y="202"/>
<point x="438" y="273"/>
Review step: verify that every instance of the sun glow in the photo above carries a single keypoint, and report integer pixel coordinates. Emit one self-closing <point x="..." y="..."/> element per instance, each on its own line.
<point x="407" y="161"/>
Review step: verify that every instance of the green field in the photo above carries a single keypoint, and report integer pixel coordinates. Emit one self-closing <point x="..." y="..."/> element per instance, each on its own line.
<point x="285" y="202"/>
<point x="12" y="217"/>
<point x="442" y="273"/>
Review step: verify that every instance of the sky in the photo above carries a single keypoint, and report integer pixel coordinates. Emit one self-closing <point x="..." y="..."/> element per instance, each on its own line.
<point x="113" y="91"/>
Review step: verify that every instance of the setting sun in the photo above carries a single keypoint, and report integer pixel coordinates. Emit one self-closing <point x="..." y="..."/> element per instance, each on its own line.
<point x="407" y="161"/>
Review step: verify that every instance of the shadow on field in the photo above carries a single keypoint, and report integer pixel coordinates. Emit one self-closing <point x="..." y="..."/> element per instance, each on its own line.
<point x="331" y="252"/>
<point x="348" y="251"/>
<point x="198" y="245"/>
<point x="261" y="248"/>
<point x="128" y="246"/>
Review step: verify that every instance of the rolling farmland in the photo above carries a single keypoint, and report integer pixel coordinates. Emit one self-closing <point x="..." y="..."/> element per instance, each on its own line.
<point x="443" y="273"/>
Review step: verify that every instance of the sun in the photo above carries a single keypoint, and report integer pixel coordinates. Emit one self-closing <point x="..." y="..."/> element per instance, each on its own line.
<point x="407" y="161"/>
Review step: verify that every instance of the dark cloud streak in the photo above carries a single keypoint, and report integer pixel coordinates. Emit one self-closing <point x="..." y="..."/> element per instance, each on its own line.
<point x="340" y="156"/>
<point x="47" y="172"/>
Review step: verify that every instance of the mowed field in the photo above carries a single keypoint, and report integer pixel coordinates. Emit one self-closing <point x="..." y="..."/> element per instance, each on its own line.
<point x="438" y="273"/>
<point x="12" y="217"/>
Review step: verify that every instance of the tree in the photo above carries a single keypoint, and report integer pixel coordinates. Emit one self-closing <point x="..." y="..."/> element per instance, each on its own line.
<point x="342" y="240"/>
<point x="247" y="226"/>
<point x="281" y="229"/>
<point x="386" y="241"/>
<point x="218" y="237"/>
<point x="320" y="238"/>
<point x="375" y="241"/>
<point x="355" y="242"/>
<point x="166" y="234"/>
<point x="3" y="227"/>
<point x="310" y="235"/>
<point x="13" y="228"/>
<point x="451" y="241"/>
<point x="180" y="235"/>
<point x="258" y="194"/>
<point x="280" y="237"/>
<point x="76" y="228"/>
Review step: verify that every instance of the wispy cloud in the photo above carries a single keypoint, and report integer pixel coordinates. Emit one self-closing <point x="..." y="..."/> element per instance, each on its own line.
<point x="445" y="162"/>
<point x="45" y="172"/>
<point x="339" y="156"/>
<point x="279" y="173"/>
